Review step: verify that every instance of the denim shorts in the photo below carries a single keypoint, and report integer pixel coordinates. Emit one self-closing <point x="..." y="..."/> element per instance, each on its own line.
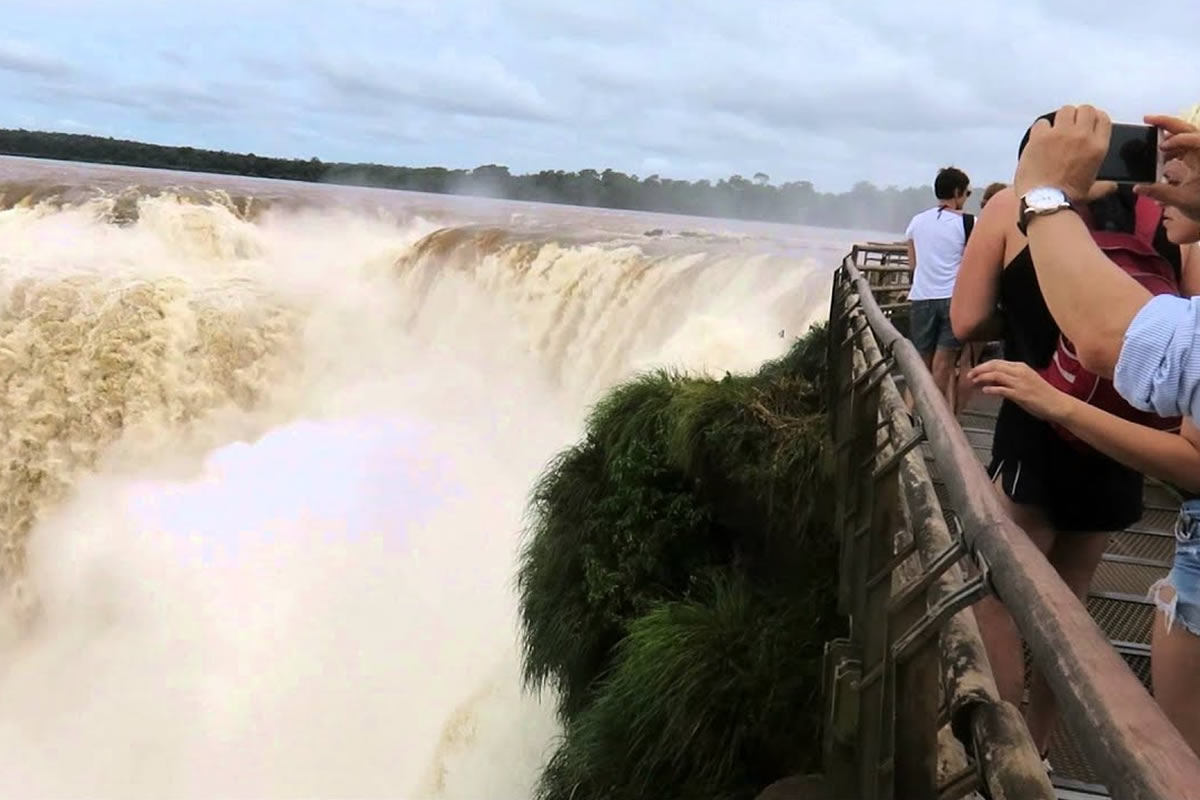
<point x="1184" y="577"/>
<point x="929" y="326"/>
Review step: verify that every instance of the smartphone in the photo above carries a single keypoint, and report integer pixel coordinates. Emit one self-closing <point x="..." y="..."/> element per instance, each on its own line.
<point x="1133" y="155"/>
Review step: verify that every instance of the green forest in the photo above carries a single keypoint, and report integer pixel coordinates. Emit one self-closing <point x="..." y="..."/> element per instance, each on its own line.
<point x="866" y="206"/>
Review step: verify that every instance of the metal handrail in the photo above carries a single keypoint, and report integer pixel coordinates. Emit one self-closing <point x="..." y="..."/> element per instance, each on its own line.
<point x="1139" y="752"/>
<point x="1007" y="763"/>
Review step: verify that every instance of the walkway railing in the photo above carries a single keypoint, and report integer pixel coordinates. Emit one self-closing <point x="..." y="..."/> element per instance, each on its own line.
<point x="914" y="659"/>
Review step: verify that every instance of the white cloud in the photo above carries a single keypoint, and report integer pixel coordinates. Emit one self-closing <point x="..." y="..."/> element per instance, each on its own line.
<point x="827" y="91"/>
<point x="24" y="58"/>
<point x="452" y="82"/>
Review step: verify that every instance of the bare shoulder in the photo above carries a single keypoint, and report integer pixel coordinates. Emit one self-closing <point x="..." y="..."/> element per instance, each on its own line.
<point x="1003" y="201"/>
<point x="999" y="220"/>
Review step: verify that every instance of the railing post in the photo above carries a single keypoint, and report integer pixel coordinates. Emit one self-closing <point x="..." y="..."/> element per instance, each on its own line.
<point x="878" y="696"/>
<point x="870" y="550"/>
<point x="842" y="666"/>
<point x="844" y="397"/>
<point x="916" y="684"/>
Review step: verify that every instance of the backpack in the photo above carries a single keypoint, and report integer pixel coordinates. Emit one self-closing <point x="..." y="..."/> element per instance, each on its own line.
<point x="968" y="226"/>
<point x="1136" y="254"/>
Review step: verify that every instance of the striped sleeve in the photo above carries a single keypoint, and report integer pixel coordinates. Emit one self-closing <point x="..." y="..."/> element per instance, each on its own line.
<point x="1159" y="366"/>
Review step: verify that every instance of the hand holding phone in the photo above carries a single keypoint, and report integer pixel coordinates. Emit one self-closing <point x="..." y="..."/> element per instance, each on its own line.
<point x="1182" y="152"/>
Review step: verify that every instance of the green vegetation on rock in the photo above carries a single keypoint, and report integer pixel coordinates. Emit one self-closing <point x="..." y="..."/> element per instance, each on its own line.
<point x="677" y="585"/>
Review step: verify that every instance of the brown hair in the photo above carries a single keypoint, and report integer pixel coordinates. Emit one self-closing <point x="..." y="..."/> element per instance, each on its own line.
<point x="989" y="191"/>
<point x="949" y="182"/>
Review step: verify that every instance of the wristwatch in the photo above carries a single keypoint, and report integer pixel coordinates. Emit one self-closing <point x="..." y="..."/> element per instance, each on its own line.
<point x="1039" y="202"/>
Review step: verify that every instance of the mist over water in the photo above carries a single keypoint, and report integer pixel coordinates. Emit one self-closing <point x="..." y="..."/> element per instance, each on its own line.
<point x="266" y="471"/>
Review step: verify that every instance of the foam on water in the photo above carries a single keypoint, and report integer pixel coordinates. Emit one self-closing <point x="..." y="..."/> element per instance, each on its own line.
<point x="324" y="612"/>
<point x="266" y="482"/>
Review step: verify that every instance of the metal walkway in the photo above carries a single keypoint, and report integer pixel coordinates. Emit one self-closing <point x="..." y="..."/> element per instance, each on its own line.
<point x="1136" y="558"/>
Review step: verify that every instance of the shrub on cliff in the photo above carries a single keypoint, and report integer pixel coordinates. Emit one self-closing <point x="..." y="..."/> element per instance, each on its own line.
<point x="614" y="531"/>
<point x="677" y="584"/>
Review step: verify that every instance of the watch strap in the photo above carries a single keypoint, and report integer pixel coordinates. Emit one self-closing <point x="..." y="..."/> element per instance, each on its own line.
<point x="1025" y="213"/>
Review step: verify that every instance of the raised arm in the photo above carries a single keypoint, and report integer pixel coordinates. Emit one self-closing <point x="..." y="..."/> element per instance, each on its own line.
<point x="1149" y="346"/>
<point x="1092" y="299"/>
<point x="1167" y="456"/>
<point x="973" y="305"/>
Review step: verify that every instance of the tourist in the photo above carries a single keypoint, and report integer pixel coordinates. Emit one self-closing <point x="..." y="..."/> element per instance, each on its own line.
<point x="935" y="239"/>
<point x="1068" y="499"/>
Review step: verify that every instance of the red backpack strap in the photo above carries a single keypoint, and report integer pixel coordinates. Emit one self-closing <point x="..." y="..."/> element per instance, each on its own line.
<point x="1147" y="214"/>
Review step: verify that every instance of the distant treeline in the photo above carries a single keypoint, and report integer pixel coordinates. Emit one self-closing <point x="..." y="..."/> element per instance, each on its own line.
<point x="865" y="206"/>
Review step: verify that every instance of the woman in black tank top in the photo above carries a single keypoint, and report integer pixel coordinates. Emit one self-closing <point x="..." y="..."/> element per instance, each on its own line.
<point x="1078" y="490"/>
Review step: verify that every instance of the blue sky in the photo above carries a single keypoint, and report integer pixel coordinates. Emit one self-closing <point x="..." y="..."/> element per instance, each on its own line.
<point x="831" y="92"/>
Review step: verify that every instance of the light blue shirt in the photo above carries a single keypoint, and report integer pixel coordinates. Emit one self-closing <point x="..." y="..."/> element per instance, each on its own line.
<point x="1159" y="366"/>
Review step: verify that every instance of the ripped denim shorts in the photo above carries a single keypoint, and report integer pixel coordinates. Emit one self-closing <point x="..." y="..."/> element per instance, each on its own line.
<point x="1184" y="577"/>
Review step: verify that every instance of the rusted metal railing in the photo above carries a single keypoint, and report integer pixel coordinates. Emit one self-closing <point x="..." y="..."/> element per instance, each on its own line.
<point x="887" y="269"/>
<point x="914" y="659"/>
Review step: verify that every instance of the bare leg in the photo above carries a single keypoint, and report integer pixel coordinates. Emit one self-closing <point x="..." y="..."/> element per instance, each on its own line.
<point x="1000" y="635"/>
<point x="964" y="387"/>
<point x="944" y="361"/>
<point x="1174" y="665"/>
<point x="1075" y="556"/>
<point x="1002" y="641"/>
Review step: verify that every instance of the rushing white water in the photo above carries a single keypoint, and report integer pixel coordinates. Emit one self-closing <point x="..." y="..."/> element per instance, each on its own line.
<point x="261" y="483"/>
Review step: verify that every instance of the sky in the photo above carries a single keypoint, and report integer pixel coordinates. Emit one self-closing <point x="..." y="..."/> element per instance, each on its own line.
<point x="829" y="91"/>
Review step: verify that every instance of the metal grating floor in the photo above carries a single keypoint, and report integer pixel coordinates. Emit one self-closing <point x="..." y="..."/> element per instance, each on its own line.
<point x="1135" y="559"/>
<point x="1143" y="547"/>
<point x="1122" y="578"/>
<point x="1157" y="519"/>
<point x="1122" y="620"/>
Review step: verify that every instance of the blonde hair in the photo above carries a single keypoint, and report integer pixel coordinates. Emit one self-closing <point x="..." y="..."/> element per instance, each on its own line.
<point x="1192" y="114"/>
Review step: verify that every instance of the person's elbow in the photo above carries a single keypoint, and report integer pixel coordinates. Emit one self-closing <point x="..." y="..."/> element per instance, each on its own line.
<point x="1098" y="345"/>
<point x="964" y="320"/>
<point x="1098" y="353"/>
<point x="962" y="325"/>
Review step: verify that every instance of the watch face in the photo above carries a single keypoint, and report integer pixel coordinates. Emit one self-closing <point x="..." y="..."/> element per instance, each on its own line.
<point x="1044" y="198"/>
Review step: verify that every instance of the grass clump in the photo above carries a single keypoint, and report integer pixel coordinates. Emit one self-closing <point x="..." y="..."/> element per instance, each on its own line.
<point x="677" y="584"/>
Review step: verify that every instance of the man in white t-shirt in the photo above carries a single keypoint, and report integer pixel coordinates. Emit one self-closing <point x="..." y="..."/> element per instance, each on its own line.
<point x="936" y="240"/>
